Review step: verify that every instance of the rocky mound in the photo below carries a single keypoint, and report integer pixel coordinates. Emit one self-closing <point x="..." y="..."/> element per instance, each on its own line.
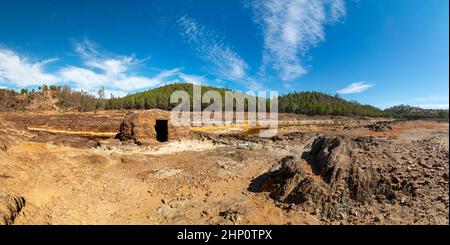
<point x="355" y="179"/>
<point x="44" y="101"/>
<point x="335" y="184"/>
<point x="10" y="206"/>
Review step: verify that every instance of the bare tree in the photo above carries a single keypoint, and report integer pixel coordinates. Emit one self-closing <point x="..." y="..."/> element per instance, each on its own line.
<point x="101" y="92"/>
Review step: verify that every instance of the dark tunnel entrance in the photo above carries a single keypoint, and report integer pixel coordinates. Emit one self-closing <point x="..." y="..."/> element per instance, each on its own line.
<point x="162" y="130"/>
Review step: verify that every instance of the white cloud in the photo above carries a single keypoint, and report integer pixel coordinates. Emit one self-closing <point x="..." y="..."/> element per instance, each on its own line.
<point x="338" y="10"/>
<point x="291" y="28"/>
<point x="193" y="79"/>
<point x="116" y="73"/>
<point x="111" y="64"/>
<point x="355" y="88"/>
<point x="109" y="70"/>
<point x="82" y="77"/>
<point x="225" y="62"/>
<point x="23" y="72"/>
<point x="115" y="93"/>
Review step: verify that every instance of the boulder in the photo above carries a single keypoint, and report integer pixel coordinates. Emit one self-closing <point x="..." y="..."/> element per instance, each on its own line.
<point x="10" y="207"/>
<point x="337" y="182"/>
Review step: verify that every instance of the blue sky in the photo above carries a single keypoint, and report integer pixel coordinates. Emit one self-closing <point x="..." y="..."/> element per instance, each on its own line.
<point x="380" y="52"/>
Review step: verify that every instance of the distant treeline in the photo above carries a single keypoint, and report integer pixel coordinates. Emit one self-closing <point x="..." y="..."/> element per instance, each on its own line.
<point x="411" y="112"/>
<point x="315" y="103"/>
<point x="309" y="103"/>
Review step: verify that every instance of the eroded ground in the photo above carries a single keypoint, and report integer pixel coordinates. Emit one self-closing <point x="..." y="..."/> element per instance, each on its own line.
<point x="48" y="177"/>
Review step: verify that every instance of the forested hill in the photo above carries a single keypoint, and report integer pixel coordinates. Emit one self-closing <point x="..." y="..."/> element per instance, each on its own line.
<point x="311" y="103"/>
<point x="406" y="111"/>
<point x="315" y="103"/>
<point x="157" y="97"/>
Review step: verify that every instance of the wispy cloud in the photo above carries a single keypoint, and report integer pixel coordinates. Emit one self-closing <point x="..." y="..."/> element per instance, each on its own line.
<point x="116" y="93"/>
<point x="194" y="79"/>
<point x="224" y="61"/>
<point x="22" y="71"/>
<point x="355" y="88"/>
<point x="109" y="70"/>
<point x="338" y="10"/>
<point x="291" y="28"/>
<point x="119" y="74"/>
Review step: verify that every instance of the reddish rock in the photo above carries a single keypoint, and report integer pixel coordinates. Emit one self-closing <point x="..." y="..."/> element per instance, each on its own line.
<point x="150" y="127"/>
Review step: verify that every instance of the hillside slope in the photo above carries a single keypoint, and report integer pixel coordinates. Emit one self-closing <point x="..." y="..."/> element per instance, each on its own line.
<point x="406" y="111"/>
<point x="311" y="103"/>
<point x="157" y="97"/>
<point x="49" y="99"/>
<point x="56" y="98"/>
<point x="315" y="103"/>
<point x="41" y="101"/>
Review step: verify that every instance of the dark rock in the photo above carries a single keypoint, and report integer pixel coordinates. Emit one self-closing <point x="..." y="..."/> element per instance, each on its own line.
<point x="10" y="207"/>
<point x="445" y="176"/>
<point x="379" y="126"/>
<point x="337" y="184"/>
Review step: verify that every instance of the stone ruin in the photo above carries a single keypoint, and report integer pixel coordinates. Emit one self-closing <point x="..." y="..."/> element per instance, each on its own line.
<point x="150" y="127"/>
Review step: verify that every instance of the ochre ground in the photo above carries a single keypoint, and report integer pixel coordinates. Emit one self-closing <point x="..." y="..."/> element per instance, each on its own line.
<point x="92" y="179"/>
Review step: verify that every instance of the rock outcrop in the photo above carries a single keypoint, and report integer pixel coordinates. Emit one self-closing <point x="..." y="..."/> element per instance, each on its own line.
<point x="10" y="206"/>
<point x="379" y="126"/>
<point x="334" y="183"/>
